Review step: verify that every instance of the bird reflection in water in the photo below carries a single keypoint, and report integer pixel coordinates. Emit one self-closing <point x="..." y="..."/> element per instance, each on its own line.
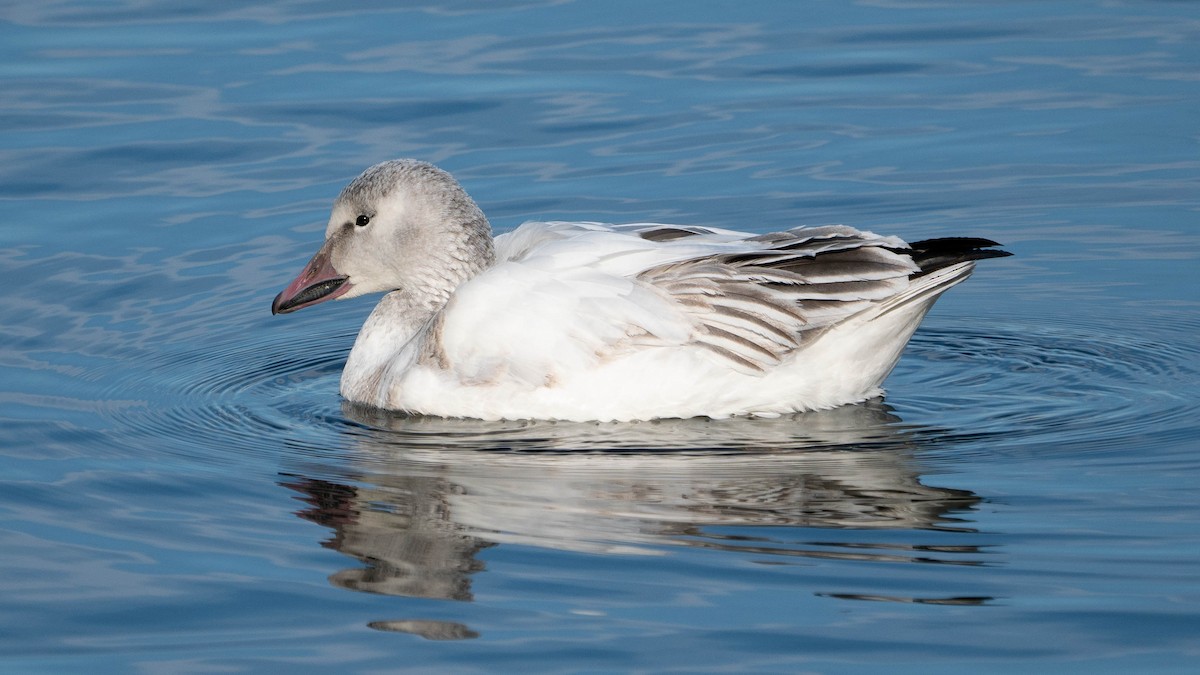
<point x="429" y="494"/>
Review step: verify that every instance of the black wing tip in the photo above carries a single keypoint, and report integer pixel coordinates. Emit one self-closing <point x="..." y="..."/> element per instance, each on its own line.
<point x="934" y="254"/>
<point x="949" y="243"/>
<point x="991" y="253"/>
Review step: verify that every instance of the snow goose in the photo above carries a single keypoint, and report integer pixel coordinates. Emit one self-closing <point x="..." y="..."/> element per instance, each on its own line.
<point x="587" y="321"/>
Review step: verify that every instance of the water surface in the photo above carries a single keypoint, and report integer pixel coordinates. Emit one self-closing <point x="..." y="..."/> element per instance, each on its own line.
<point x="182" y="490"/>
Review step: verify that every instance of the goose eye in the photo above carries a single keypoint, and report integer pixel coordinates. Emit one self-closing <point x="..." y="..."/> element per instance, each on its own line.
<point x="362" y="221"/>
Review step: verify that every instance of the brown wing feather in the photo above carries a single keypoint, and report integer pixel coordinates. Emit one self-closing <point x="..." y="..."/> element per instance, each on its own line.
<point x="755" y="306"/>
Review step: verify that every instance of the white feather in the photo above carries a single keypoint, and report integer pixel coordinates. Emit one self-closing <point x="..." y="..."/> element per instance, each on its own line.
<point x="562" y="327"/>
<point x="586" y="321"/>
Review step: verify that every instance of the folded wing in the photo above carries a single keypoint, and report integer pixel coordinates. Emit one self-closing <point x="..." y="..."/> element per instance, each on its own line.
<point x="567" y="296"/>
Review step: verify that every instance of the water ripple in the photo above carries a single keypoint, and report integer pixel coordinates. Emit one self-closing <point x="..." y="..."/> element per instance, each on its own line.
<point x="1005" y="386"/>
<point x="1087" y="388"/>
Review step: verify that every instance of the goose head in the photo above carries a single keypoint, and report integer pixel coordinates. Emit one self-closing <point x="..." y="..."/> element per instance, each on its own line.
<point x="403" y="225"/>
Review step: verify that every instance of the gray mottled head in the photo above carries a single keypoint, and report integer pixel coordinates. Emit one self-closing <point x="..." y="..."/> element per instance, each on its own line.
<point x="401" y="225"/>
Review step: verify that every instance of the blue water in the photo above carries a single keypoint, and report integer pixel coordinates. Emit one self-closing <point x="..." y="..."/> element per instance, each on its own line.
<point x="182" y="490"/>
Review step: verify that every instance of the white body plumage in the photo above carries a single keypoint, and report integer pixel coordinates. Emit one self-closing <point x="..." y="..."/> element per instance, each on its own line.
<point x="584" y="321"/>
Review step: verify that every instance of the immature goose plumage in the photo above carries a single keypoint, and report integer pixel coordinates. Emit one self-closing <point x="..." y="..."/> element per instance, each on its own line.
<point x="586" y="321"/>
